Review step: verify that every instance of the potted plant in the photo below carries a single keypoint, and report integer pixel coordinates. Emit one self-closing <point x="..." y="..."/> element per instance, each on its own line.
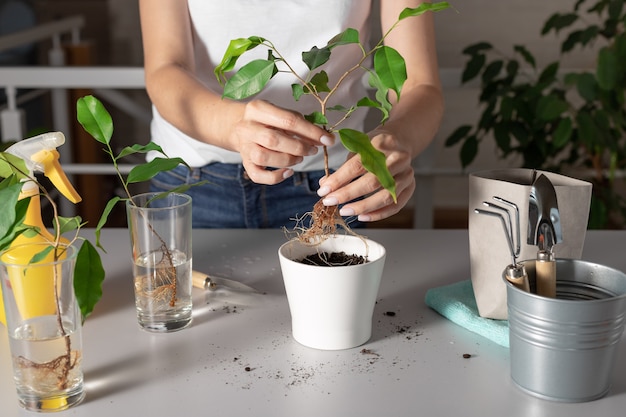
<point x="317" y="239"/>
<point x="554" y="119"/>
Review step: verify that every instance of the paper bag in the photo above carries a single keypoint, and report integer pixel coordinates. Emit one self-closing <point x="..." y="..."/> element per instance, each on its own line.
<point x="489" y="249"/>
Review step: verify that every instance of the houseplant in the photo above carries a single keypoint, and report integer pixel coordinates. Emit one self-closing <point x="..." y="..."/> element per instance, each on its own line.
<point x="32" y="294"/>
<point x="50" y="283"/>
<point x="331" y="308"/>
<point x="388" y="75"/>
<point x="159" y="225"/>
<point x="557" y="119"/>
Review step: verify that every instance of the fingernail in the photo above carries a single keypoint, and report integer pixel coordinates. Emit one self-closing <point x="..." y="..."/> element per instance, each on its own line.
<point x="323" y="191"/>
<point x="327" y="140"/>
<point x="364" y="218"/>
<point x="330" y="201"/>
<point x="346" y="211"/>
<point x="288" y="173"/>
<point x="312" y="150"/>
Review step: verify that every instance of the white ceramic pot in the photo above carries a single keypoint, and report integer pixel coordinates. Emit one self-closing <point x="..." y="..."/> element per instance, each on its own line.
<point x="332" y="307"/>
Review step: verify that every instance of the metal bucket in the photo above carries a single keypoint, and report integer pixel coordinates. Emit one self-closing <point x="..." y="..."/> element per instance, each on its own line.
<point x="564" y="348"/>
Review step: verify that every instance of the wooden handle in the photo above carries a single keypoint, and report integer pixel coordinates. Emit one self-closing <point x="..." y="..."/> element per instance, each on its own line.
<point x="199" y="279"/>
<point x="517" y="276"/>
<point x="546" y="278"/>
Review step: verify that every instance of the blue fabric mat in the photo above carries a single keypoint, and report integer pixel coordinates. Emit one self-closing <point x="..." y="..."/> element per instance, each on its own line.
<point x="456" y="302"/>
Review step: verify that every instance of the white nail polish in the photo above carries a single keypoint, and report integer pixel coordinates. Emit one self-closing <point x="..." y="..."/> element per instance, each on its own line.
<point x="288" y="173"/>
<point x="346" y="211"/>
<point x="327" y="140"/>
<point x="323" y="191"/>
<point x="330" y="201"/>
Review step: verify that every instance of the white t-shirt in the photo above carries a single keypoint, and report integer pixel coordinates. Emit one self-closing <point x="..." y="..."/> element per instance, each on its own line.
<point x="293" y="26"/>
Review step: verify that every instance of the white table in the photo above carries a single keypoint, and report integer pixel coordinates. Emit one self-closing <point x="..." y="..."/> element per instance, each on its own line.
<point x="238" y="357"/>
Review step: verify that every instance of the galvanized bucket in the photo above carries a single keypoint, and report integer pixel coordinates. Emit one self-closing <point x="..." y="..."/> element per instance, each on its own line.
<point x="564" y="348"/>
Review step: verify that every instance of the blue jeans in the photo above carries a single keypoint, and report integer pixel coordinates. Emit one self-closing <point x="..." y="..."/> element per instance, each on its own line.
<point x="231" y="200"/>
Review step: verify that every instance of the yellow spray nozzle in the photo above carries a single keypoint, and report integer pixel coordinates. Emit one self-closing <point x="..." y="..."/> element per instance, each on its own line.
<point x="49" y="159"/>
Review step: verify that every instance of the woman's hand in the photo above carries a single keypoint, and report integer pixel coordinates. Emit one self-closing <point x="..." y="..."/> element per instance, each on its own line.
<point x="351" y="181"/>
<point x="271" y="137"/>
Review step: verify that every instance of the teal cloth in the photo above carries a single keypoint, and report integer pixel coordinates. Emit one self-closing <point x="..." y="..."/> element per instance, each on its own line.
<point x="456" y="302"/>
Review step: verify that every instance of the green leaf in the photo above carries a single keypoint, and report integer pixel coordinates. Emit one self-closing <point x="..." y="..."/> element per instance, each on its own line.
<point x="9" y="196"/>
<point x="587" y="129"/>
<point x="477" y="48"/>
<point x="459" y="134"/>
<point x="94" y="118"/>
<point x="507" y="107"/>
<point x="391" y="68"/>
<point x="319" y="82"/>
<point x="144" y="172"/>
<point x="423" y="8"/>
<point x="562" y="133"/>
<point x="607" y="71"/>
<point x="525" y="53"/>
<point x="346" y="37"/>
<point x="88" y="277"/>
<point x="372" y="159"/>
<point x="316" y="57"/>
<point x="40" y="256"/>
<point x="502" y="137"/>
<point x="381" y="95"/>
<point x="559" y="21"/>
<point x="141" y="149"/>
<point x="587" y="86"/>
<point x="548" y="75"/>
<point x="250" y="79"/>
<point x="236" y="48"/>
<point x="550" y="107"/>
<point x="104" y="217"/>
<point x="317" y="118"/>
<point x="473" y="67"/>
<point x="68" y="224"/>
<point x="469" y="150"/>
<point x="492" y="71"/>
<point x="11" y="165"/>
<point x="297" y="91"/>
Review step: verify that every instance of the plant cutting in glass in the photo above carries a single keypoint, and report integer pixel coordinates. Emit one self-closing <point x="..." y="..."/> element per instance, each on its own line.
<point x="97" y="121"/>
<point x="388" y="74"/>
<point x="20" y="193"/>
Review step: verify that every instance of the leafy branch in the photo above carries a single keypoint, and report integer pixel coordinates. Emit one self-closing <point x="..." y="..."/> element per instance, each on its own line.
<point x="388" y="74"/>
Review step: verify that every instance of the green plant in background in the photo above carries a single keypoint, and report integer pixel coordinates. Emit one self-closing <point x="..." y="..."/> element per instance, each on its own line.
<point x="388" y="74"/>
<point x="553" y="118"/>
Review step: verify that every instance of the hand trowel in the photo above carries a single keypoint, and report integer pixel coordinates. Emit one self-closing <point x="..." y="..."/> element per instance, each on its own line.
<point x="214" y="283"/>
<point x="544" y="231"/>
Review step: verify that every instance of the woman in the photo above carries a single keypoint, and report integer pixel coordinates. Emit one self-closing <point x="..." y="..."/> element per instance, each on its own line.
<point x="262" y="158"/>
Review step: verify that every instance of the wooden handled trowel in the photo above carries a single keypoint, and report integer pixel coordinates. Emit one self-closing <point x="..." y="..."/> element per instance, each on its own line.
<point x="544" y="231"/>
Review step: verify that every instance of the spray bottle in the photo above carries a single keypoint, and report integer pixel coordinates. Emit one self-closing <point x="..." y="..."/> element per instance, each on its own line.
<point x="40" y="155"/>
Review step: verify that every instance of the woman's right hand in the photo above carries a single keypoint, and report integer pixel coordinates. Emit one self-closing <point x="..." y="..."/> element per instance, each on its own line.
<point x="268" y="136"/>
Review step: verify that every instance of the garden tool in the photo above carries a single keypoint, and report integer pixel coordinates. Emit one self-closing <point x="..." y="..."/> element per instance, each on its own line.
<point x="544" y="231"/>
<point x="515" y="272"/>
<point x="213" y="283"/>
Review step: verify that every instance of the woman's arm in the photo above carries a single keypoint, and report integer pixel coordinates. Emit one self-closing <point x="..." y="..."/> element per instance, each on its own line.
<point x="263" y="134"/>
<point x="412" y="125"/>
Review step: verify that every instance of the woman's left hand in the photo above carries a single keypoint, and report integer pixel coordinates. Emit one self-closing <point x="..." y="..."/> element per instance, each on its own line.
<point x="351" y="181"/>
